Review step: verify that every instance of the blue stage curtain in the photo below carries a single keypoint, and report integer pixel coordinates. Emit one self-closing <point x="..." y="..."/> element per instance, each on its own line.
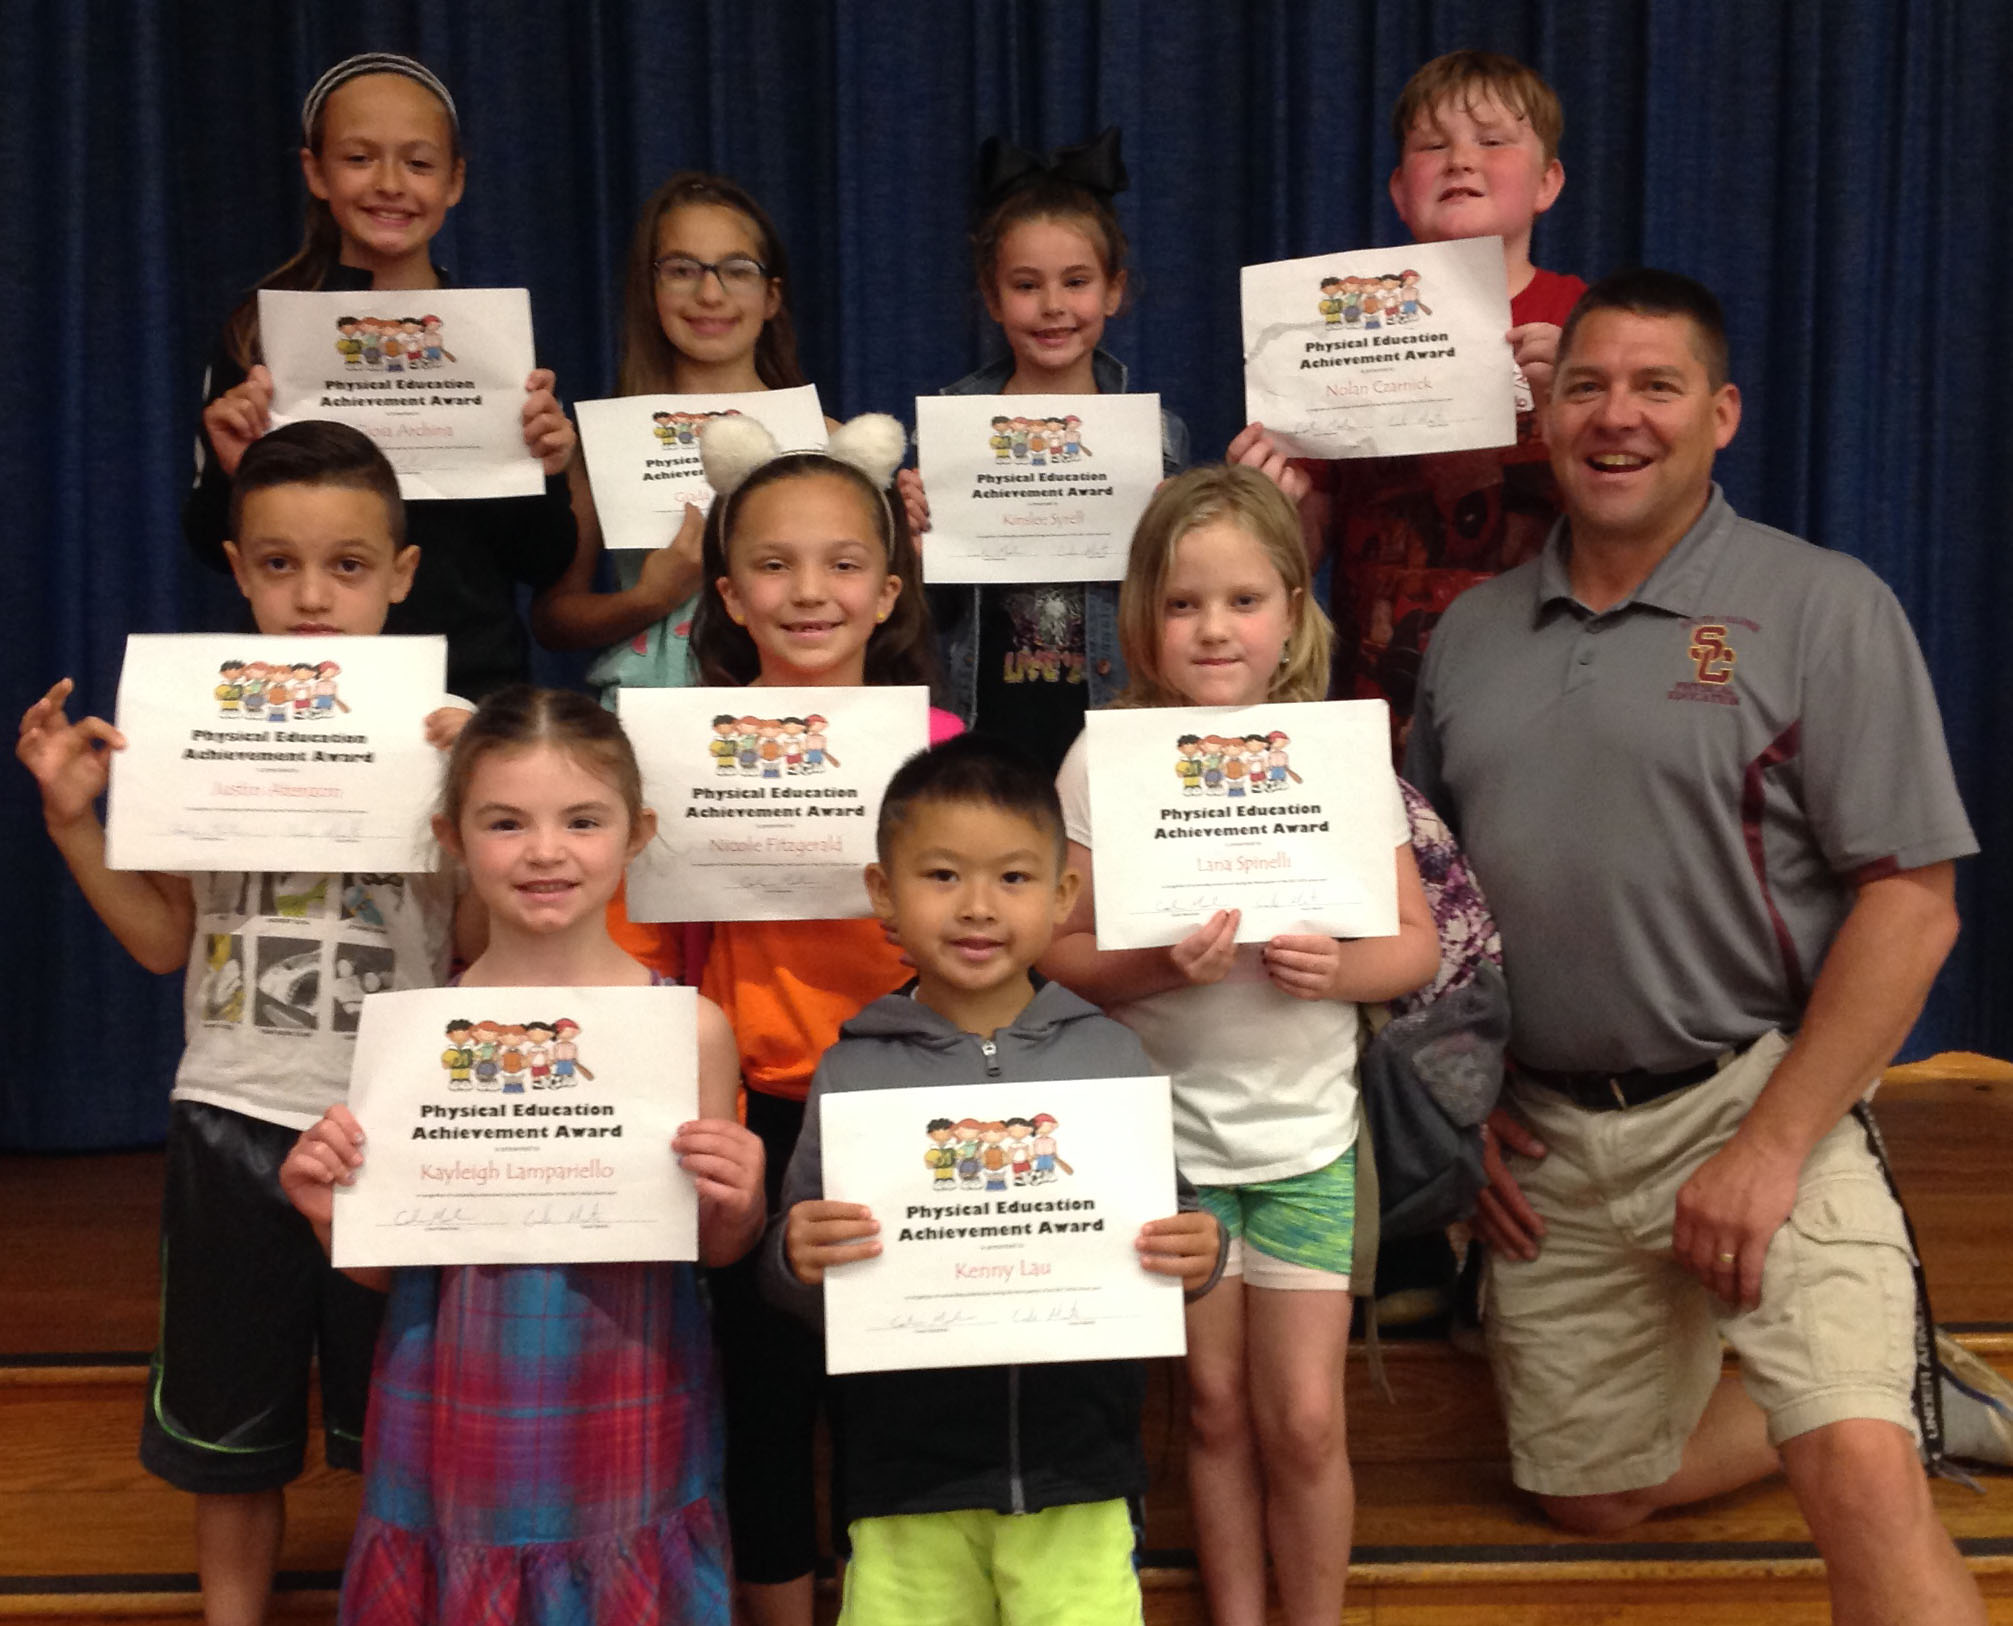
<point x="1833" y="171"/>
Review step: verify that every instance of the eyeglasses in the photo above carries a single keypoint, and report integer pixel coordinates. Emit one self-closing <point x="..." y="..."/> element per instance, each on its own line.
<point x="738" y="273"/>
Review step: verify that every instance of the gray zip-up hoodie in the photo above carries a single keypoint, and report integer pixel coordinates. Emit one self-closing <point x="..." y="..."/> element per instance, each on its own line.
<point x="1015" y="1439"/>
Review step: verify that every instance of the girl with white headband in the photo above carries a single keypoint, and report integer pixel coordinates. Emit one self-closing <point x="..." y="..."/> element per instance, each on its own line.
<point x="381" y="153"/>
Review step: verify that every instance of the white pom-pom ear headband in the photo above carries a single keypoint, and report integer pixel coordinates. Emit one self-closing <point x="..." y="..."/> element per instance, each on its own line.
<point x="873" y="443"/>
<point x="734" y="447"/>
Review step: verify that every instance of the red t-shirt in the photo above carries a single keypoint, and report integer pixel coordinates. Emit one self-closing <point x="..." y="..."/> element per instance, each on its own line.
<point x="1407" y="535"/>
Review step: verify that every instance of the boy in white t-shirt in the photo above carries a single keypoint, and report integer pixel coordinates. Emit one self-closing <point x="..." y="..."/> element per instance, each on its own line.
<point x="273" y="966"/>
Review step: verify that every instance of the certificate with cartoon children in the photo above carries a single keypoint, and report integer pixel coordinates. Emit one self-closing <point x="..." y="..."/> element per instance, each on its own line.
<point x="1289" y="813"/>
<point x="1035" y="488"/>
<point x="1382" y="352"/>
<point x="1008" y="1214"/>
<point x="521" y="1126"/>
<point x="766" y="799"/>
<point x="248" y="753"/>
<point x="434" y="376"/>
<point x="642" y="453"/>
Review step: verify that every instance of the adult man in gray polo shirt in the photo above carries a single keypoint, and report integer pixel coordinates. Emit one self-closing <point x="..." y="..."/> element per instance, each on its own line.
<point x="1699" y="770"/>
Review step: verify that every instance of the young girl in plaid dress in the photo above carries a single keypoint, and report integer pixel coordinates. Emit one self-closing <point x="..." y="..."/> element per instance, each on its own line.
<point x="543" y="1443"/>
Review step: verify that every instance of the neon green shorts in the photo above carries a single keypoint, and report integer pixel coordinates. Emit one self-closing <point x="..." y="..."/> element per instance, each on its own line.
<point x="1063" y="1566"/>
<point x="1296" y="1233"/>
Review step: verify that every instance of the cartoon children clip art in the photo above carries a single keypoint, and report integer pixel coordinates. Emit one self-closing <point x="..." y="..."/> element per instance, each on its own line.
<point x="816" y="752"/>
<point x="1019" y="1152"/>
<point x="1046" y="1158"/>
<point x="992" y="1155"/>
<point x="566" y="1055"/>
<point x="1277" y="770"/>
<point x="230" y="689"/>
<point x="485" y="1035"/>
<point x="436" y="350"/>
<point x="1331" y="300"/>
<point x="942" y="1157"/>
<point x="459" y="1057"/>
<point x="967" y="1133"/>
<point x="511" y="1060"/>
<point x="726" y="730"/>
<point x="327" y="701"/>
<point x="538" y="1037"/>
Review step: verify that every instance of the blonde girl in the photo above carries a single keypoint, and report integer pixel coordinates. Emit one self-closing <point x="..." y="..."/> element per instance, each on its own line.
<point x="1260" y="1040"/>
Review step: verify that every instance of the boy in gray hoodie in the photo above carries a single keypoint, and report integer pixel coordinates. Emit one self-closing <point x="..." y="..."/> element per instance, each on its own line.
<point x="978" y="1493"/>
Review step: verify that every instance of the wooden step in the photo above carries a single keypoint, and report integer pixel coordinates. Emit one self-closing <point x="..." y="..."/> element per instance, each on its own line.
<point x="1435" y="1503"/>
<point x="86" y="1534"/>
<point x="79" y="1272"/>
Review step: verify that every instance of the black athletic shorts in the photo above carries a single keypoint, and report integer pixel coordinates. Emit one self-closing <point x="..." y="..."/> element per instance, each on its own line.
<point x="249" y="1303"/>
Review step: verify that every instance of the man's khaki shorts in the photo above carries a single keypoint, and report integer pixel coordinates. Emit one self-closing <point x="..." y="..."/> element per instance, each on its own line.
<point x="1605" y="1349"/>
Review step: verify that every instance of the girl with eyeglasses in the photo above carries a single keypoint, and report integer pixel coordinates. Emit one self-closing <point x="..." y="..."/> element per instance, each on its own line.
<point x="705" y="311"/>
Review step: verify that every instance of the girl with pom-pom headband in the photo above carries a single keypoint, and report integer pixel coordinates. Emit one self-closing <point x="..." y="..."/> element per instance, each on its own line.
<point x="810" y="576"/>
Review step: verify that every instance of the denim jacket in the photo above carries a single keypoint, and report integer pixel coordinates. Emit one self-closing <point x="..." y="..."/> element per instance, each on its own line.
<point x="957" y="608"/>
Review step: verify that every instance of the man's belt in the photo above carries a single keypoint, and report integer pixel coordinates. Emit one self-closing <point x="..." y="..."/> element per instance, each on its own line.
<point x="1612" y="1092"/>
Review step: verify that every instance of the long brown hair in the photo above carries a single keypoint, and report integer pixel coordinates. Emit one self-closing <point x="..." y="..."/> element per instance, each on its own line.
<point x="320" y="250"/>
<point x="648" y="361"/>
<point x="1246" y="499"/>
<point x="901" y="649"/>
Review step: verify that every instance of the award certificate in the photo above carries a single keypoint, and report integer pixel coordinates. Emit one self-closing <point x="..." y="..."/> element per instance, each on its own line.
<point x="642" y="454"/>
<point x="1382" y="352"/>
<point x="521" y="1126"/>
<point x="248" y="753"/>
<point x="1008" y="1214"/>
<point x="766" y="799"/>
<point x="1035" y="488"/>
<point x="1288" y="812"/>
<point x="434" y="376"/>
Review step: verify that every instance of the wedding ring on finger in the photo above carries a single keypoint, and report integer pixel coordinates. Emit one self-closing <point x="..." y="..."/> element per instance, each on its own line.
<point x="1727" y="1258"/>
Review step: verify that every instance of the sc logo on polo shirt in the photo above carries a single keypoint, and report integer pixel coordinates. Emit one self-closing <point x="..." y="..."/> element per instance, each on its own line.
<point x="1713" y="659"/>
<point x="1712" y="654"/>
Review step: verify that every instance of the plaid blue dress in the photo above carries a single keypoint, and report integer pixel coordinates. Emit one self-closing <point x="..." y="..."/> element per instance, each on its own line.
<point x="544" y="1448"/>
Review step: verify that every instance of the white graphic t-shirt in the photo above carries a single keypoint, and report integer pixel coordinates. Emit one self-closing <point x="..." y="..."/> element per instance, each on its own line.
<point x="277" y="978"/>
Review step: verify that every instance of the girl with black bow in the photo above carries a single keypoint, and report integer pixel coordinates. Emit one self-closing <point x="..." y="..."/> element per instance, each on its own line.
<point x="1027" y="660"/>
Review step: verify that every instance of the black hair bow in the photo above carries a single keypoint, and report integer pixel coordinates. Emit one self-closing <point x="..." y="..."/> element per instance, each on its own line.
<point x="1093" y="164"/>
